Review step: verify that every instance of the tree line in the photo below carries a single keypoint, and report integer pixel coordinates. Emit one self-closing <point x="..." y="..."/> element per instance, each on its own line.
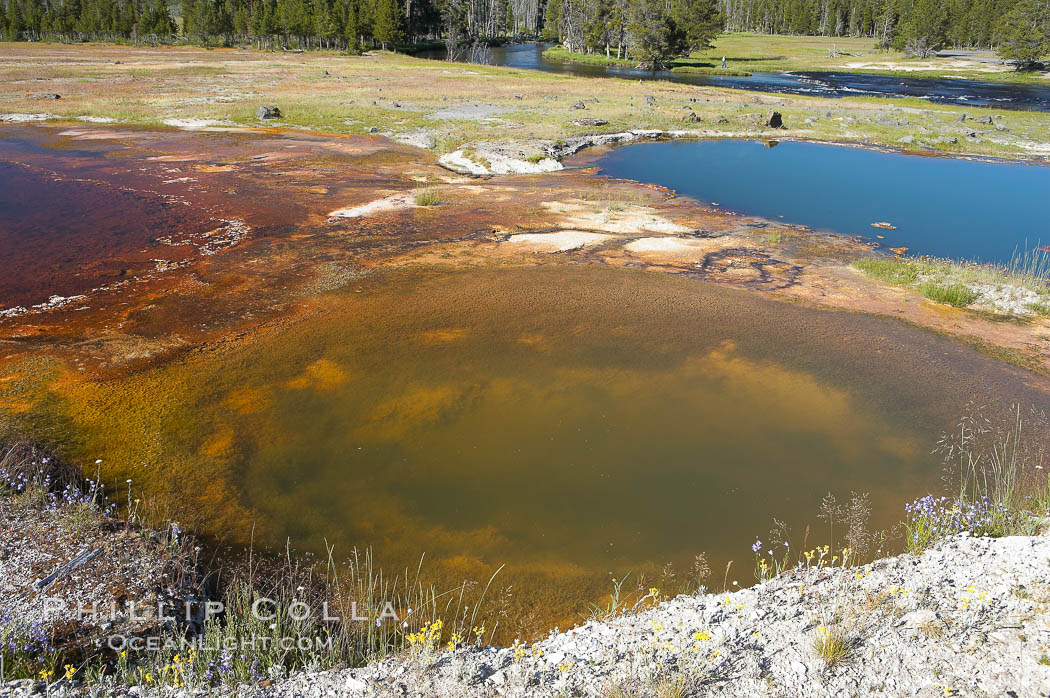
<point x="653" y="32"/>
<point x="352" y="23"/>
<point x="1020" y="29"/>
<point x="919" y="27"/>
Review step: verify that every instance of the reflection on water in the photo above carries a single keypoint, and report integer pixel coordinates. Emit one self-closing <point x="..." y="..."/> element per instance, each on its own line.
<point x="947" y="207"/>
<point x="570" y="422"/>
<point x="946" y="91"/>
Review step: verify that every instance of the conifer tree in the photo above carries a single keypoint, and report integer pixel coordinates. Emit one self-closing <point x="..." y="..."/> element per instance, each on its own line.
<point x="656" y="38"/>
<point x="1025" y="33"/>
<point x="389" y="28"/>
<point x="15" y="23"/>
<point x="354" y="28"/>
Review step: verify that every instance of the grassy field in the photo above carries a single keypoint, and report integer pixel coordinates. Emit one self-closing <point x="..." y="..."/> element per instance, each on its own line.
<point x="764" y="53"/>
<point x="456" y="103"/>
<point x="688" y="65"/>
<point x="1020" y="288"/>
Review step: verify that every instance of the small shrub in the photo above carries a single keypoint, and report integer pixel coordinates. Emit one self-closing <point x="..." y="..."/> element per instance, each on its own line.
<point x="427" y="195"/>
<point x="1040" y="308"/>
<point x="958" y="295"/>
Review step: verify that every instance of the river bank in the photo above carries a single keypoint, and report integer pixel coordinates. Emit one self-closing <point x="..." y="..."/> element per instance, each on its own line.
<point x="965" y="618"/>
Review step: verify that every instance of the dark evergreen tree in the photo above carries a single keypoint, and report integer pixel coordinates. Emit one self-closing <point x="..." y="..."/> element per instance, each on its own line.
<point x="1025" y="33"/>
<point x="15" y="23"/>
<point x="926" y="30"/>
<point x="699" y="20"/>
<point x="656" y="38"/>
<point x="389" y="28"/>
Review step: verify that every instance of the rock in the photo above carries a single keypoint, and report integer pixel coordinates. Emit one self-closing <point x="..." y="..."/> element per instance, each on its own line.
<point x="723" y="120"/>
<point x="917" y="619"/>
<point x="48" y="95"/>
<point x="353" y="684"/>
<point x="692" y="117"/>
<point x="809" y="121"/>
<point x="962" y="117"/>
<point x="587" y="121"/>
<point x="1000" y="127"/>
<point x="417" y="139"/>
<point x="985" y="120"/>
<point x="268" y="112"/>
<point x="775" y="120"/>
<point x="371" y="129"/>
<point x="907" y="140"/>
<point x="579" y="105"/>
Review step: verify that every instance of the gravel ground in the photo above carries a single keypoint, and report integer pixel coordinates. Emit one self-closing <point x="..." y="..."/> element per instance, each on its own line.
<point x="968" y="617"/>
<point x="82" y="607"/>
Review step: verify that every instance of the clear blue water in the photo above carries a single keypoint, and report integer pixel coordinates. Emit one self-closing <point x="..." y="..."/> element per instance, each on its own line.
<point x="946" y="207"/>
<point x="947" y="91"/>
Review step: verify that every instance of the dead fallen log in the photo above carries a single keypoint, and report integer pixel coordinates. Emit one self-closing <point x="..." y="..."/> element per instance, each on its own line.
<point x="64" y="570"/>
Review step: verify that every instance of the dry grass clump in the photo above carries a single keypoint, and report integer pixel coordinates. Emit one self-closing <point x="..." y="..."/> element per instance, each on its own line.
<point x="832" y="644"/>
<point x="427" y="195"/>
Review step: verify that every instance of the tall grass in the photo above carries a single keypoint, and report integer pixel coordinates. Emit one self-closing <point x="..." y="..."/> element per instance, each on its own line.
<point x="427" y="195"/>
<point x="958" y="295"/>
<point x="1030" y="266"/>
<point x="296" y="615"/>
<point x="995" y="475"/>
<point x="277" y="615"/>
